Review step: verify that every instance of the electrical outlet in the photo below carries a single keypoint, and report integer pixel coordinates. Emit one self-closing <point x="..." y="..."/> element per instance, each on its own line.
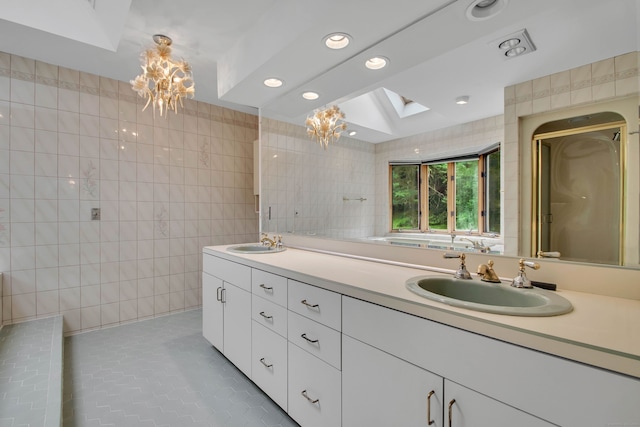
<point x="95" y="214"/>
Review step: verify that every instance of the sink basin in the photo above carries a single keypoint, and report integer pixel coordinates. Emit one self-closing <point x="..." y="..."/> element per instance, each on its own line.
<point x="489" y="297"/>
<point x="254" y="248"/>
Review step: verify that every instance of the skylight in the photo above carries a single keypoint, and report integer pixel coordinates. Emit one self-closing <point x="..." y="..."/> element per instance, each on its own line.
<point x="405" y="107"/>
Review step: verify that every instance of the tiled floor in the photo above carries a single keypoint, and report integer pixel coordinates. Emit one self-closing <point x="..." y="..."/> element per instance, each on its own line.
<point x="30" y="373"/>
<point x="159" y="372"/>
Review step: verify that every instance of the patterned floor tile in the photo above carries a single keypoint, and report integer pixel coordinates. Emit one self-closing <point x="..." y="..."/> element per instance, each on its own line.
<point x="159" y="373"/>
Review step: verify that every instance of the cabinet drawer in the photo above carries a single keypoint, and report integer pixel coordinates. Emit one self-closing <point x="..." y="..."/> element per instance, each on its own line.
<point x="269" y="363"/>
<point x="270" y="315"/>
<point x="269" y="286"/>
<point x="314" y="390"/>
<point x="315" y="303"/>
<point x="315" y="338"/>
<point x="231" y="272"/>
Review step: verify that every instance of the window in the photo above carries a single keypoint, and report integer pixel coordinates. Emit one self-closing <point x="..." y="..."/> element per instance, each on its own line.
<point x="459" y="194"/>
<point x="405" y="201"/>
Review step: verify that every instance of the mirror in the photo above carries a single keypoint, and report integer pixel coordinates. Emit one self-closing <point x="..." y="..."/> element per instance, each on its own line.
<point x="343" y="192"/>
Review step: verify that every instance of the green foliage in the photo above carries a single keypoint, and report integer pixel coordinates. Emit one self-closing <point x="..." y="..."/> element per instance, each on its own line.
<point x="467" y="195"/>
<point x="438" y="210"/>
<point x="405" y="184"/>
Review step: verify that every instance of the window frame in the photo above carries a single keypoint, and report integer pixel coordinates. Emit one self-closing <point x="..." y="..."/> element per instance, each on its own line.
<point x="423" y="194"/>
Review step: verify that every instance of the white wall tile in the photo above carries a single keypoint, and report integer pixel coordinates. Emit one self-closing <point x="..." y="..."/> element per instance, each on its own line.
<point x="71" y="150"/>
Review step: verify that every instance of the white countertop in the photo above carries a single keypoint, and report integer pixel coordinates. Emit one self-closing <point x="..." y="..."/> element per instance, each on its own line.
<point x="601" y="331"/>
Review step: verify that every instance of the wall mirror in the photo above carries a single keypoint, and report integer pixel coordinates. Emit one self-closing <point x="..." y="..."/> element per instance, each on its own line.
<point x="342" y="192"/>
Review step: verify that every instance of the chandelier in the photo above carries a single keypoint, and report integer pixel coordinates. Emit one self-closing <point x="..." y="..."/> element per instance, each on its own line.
<point x="164" y="82"/>
<point x="325" y="125"/>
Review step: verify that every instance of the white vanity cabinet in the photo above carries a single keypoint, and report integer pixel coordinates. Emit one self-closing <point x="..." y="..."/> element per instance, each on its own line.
<point x="491" y="382"/>
<point x="226" y="306"/>
<point x="269" y="335"/>
<point x="466" y="408"/>
<point x="379" y="389"/>
<point x="314" y="384"/>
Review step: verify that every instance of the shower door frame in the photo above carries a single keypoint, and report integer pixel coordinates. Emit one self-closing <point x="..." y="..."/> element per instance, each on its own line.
<point x="536" y="202"/>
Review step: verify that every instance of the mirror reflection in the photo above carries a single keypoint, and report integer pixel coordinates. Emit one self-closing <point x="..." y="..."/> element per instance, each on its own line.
<point x="440" y="187"/>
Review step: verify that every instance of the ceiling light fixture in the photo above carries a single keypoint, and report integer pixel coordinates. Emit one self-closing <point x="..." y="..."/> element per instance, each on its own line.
<point x="273" y="82"/>
<point x="326" y="125"/>
<point x="376" y="63"/>
<point x="311" y="96"/>
<point x="337" y="40"/>
<point x="515" y="44"/>
<point x="164" y="82"/>
<point x="479" y="10"/>
<point x="462" y="100"/>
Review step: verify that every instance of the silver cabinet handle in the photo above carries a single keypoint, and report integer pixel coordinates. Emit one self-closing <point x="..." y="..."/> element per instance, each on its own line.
<point x="218" y="293"/>
<point x="450" y="410"/>
<point x="314" y="401"/>
<point x="223" y="293"/>
<point x="266" y="288"/>
<point x="266" y="316"/>
<point x="265" y="363"/>
<point x="429" y="420"/>
<point x="304" y="301"/>
<point x="308" y="339"/>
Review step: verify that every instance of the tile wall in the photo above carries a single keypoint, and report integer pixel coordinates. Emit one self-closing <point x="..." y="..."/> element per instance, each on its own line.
<point x="305" y="186"/>
<point x="166" y="187"/>
<point x="590" y="84"/>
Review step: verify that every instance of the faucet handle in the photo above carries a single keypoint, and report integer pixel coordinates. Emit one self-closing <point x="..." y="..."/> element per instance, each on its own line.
<point x="462" y="272"/>
<point x="521" y="280"/>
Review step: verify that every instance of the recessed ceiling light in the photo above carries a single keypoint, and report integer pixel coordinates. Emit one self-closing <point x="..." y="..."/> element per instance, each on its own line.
<point x="273" y="82"/>
<point x="310" y="95"/>
<point x="516" y="51"/>
<point x="515" y="44"/>
<point x="461" y="100"/>
<point x="337" y="40"/>
<point x="508" y="44"/>
<point x="480" y="10"/>
<point x="353" y="132"/>
<point x="376" y="63"/>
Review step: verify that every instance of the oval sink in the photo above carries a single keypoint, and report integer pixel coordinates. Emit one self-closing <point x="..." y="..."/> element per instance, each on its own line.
<point x="489" y="297"/>
<point x="254" y="248"/>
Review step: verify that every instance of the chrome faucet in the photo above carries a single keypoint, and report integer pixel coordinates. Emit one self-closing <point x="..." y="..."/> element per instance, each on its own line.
<point x="487" y="273"/>
<point x="478" y="245"/>
<point x="521" y="280"/>
<point x="462" y="272"/>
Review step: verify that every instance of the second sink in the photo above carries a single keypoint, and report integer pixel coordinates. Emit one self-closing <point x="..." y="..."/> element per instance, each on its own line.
<point x="489" y="297"/>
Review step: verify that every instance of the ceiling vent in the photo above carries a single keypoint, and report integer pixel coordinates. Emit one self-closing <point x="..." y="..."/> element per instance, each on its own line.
<point x="516" y="44"/>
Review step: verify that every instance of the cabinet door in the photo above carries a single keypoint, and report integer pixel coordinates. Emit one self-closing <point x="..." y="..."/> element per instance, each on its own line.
<point x="212" y="311"/>
<point x="467" y="408"/>
<point x="237" y="327"/>
<point x="381" y="390"/>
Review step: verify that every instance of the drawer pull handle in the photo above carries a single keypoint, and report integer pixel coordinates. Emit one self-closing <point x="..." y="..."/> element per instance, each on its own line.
<point x="266" y="316"/>
<point x="450" y="410"/>
<point x="309" y="339"/>
<point x="219" y="293"/>
<point x="429" y="420"/>
<point x="223" y="294"/>
<point x="314" y="401"/>
<point x="266" y="288"/>
<point x="304" y="301"/>
<point x="265" y="363"/>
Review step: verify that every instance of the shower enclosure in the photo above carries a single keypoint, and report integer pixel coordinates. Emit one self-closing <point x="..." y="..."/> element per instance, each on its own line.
<point x="579" y="190"/>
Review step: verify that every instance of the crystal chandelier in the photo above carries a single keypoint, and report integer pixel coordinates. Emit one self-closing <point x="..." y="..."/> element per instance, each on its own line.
<point x="164" y="82"/>
<point x="325" y="125"/>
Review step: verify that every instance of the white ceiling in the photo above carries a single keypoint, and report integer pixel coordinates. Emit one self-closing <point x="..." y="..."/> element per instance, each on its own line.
<point x="436" y="53"/>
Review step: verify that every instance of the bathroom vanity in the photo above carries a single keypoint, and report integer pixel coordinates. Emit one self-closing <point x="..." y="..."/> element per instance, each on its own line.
<point x="341" y="341"/>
